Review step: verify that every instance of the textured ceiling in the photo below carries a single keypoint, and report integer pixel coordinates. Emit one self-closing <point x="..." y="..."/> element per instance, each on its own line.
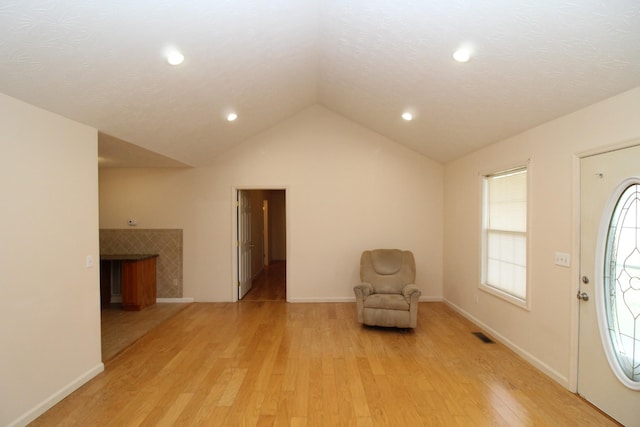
<point x="102" y="63"/>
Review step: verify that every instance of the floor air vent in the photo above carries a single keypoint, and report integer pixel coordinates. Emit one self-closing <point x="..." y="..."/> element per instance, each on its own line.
<point x="485" y="339"/>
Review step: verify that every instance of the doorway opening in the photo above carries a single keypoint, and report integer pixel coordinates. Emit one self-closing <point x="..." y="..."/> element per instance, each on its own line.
<point x="261" y="244"/>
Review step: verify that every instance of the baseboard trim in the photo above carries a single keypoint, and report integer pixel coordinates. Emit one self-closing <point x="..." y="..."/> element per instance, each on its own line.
<point x="350" y="299"/>
<point x="175" y="300"/>
<point x="537" y="363"/>
<point x="430" y="299"/>
<point x="323" y="299"/>
<point x="56" y="397"/>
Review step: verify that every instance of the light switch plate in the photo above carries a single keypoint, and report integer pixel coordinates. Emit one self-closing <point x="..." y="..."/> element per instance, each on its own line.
<point x="563" y="259"/>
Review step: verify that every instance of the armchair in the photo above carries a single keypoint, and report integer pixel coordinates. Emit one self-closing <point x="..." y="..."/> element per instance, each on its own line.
<point x="387" y="295"/>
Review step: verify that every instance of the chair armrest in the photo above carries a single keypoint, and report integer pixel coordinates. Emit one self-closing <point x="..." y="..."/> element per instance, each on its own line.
<point x="409" y="291"/>
<point x="365" y="289"/>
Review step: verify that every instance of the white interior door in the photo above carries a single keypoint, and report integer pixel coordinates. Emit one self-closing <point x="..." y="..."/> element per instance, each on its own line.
<point x="244" y="243"/>
<point x="609" y="337"/>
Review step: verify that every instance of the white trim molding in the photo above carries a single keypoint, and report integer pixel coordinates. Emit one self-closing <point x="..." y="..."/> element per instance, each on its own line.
<point x="350" y="299"/>
<point x="175" y="300"/>
<point x="57" y="397"/>
<point x="537" y="363"/>
<point x="321" y="299"/>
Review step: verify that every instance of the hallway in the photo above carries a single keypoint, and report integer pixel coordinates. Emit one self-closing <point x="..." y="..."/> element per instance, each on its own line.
<point x="270" y="285"/>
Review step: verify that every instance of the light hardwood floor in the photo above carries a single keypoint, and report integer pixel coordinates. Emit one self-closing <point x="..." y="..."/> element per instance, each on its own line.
<point x="270" y="285"/>
<point x="281" y="364"/>
<point x="121" y="328"/>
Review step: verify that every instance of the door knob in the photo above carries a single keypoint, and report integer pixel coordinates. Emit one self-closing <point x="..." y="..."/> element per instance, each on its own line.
<point x="582" y="296"/>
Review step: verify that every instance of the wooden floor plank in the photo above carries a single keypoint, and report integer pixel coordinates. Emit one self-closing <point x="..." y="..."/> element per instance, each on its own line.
<point x="121" y="328"/>
<point x="270" y="285"/>
<point x="271" y="363"/>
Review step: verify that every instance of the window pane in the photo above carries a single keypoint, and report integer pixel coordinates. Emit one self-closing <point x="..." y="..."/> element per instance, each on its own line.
<point x="520" y="284"/>
<point x="622" y="282"/>
<point x="505" y="251"/>
<point x="506" y="266"/>
<point x="507" y="196"/>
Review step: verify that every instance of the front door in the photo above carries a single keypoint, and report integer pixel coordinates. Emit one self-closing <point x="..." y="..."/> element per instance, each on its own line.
<point x="609" y="293"/>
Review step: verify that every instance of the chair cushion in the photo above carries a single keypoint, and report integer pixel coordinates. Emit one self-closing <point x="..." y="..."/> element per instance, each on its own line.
<point x="386" y="262"/>
<point x="386" y="301"/>
<point x="388" y="270"/>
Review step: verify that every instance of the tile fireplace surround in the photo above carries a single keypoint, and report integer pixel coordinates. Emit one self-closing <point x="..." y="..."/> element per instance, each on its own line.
<point x="166" y="243"/>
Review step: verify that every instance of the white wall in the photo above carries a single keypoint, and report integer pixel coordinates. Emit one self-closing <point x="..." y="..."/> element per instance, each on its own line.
<point x="546" y="334"/>
<point x="50" y="306"/>
<point x="348" y="189"/>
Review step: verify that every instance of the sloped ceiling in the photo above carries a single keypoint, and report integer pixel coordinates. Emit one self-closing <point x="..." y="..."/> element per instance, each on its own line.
<point x="103" y="63"/>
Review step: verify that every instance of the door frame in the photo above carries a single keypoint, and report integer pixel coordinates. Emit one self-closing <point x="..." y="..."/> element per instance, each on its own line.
<point x="575" y="248"/>
<point x="234" y="233"/>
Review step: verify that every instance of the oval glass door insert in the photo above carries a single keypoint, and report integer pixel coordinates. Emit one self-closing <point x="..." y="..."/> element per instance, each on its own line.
<point x="621" y="293"/>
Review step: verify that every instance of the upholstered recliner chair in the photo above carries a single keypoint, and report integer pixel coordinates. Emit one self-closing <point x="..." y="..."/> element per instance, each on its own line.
<point x="387" y="295"/>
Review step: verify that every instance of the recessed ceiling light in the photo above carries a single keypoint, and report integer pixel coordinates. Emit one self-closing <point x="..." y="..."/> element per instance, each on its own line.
<point x="462" y="55"/>
<point x="231" y="117"/>
<point x="175" y="58"/>
<point x="407" y="116"/>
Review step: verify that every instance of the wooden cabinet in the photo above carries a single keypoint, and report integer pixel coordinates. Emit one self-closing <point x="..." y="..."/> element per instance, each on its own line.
<point x="138" y="279"/>
<point x="138" y="283"/>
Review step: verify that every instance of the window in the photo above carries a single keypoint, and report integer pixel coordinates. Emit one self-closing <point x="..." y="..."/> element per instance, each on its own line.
<point x="621" y="284"/>
<point x="504" y="228"/>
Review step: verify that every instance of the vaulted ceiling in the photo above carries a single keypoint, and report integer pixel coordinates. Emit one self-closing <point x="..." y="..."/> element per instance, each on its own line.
<point x="103" y="63"/>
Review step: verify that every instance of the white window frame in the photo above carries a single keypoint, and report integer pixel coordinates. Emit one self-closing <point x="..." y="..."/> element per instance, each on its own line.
<point x="525" y="302"/>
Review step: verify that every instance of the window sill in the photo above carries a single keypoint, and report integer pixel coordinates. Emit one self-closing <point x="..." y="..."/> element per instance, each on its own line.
<point x="523" y="304"/>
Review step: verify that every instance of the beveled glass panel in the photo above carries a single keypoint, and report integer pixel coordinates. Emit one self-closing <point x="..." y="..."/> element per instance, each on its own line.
<point x="622" y="282"/>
